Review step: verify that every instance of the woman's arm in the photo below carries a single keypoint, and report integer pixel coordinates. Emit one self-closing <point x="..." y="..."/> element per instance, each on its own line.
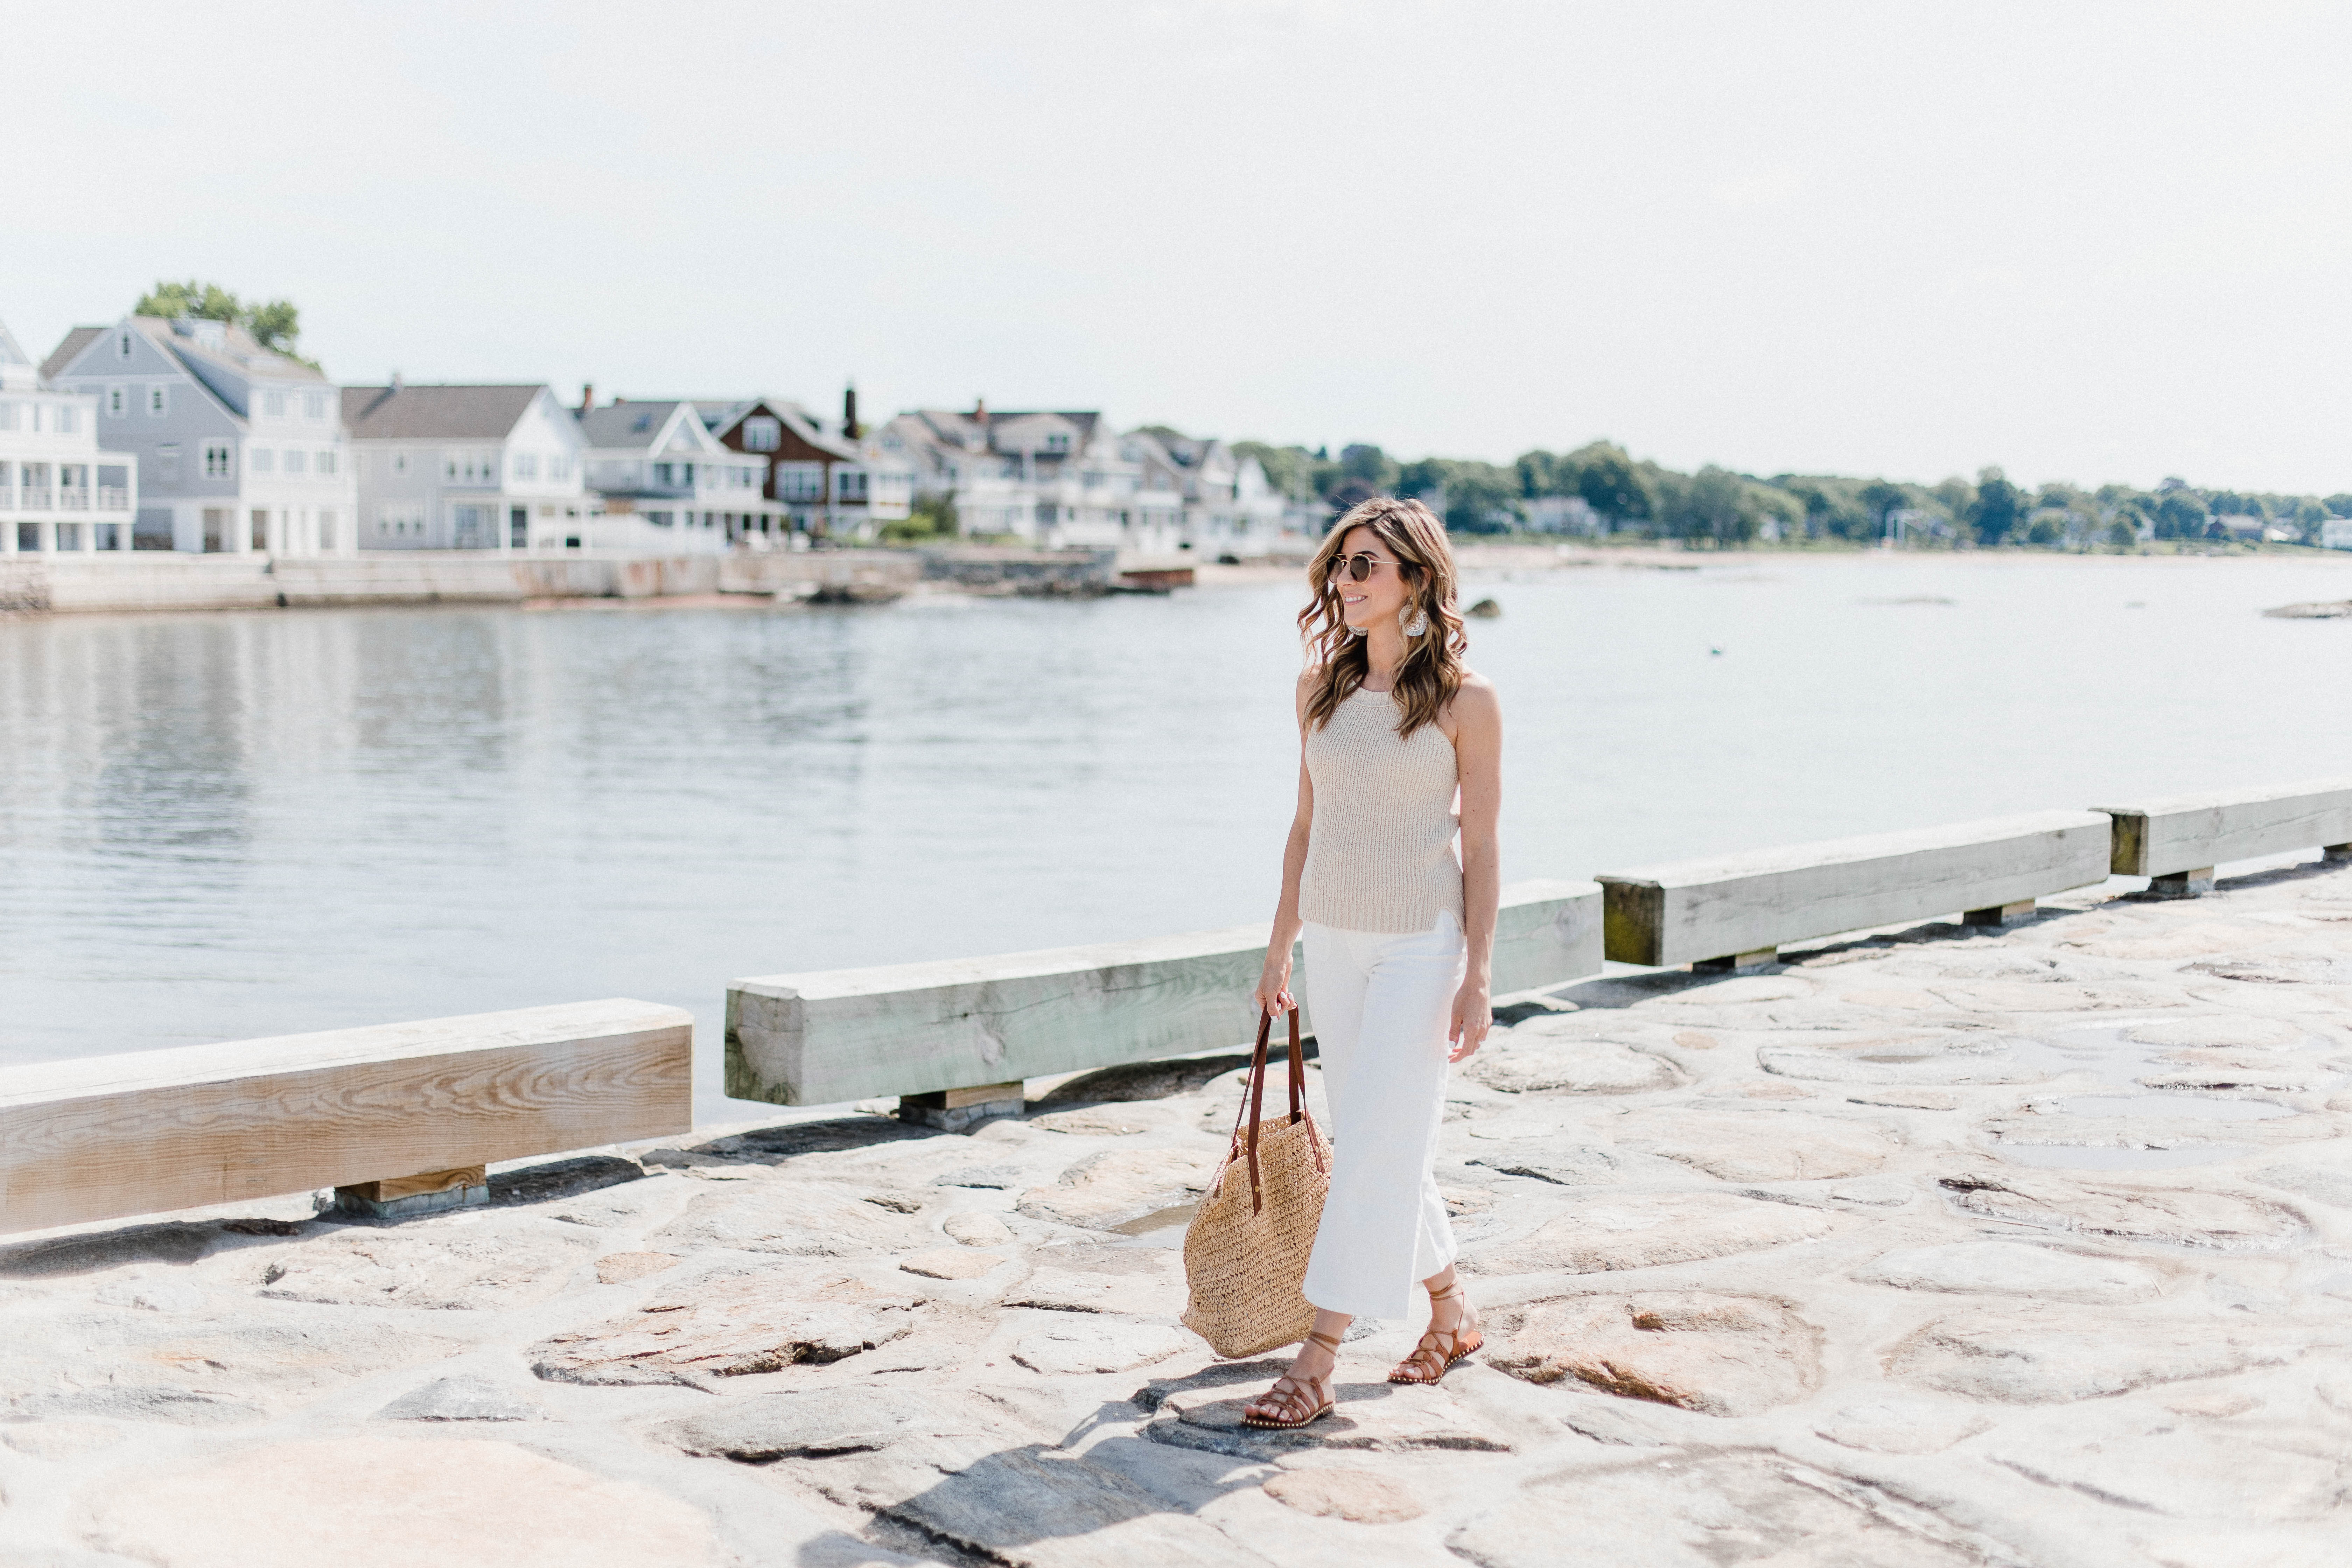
<point x="1478" y="758"/>
<point x="1273" y="993"/>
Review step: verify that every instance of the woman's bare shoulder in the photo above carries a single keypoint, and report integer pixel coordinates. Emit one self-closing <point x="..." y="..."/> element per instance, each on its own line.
<point x="1476" y="694"/>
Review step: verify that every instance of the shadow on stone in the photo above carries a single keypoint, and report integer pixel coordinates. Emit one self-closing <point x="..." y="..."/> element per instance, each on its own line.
<point x="1147" y="1081"/>
<point x="181" y="1244"/>
<point x="563" y="1178"/>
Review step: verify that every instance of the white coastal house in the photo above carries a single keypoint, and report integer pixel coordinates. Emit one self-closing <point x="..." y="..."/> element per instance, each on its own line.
<point x="667" y="484"/>
<point x="467" y="468"/>
<point x="237" y="448"/>
<point x="1062" y="478"/>
<point x="59" y="489"/>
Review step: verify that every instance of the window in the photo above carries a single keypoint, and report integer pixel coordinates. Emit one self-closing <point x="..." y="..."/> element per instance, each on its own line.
<point x="117" y="400"/>
<point x="158" y="402"/>
<point x="800" y="481"/>
<point x="7" y="416"/>
<point x="261" y="460"/>
<point x="559" y="468"/>
<point x="314" y="406"/>
<point x="525" y="466"/>
<point x="326" y="463"/>
<point x="400" y="462"/>
<point x="273" y="403"/>
<point x="406" y="520"/>
<point x="470" y="467"/>
<point x="220" y="460"/>
<point x="122" y="345"/>
<point x="167" y="463"/>
<point x="295" y="462"/>
<point x="1059" y="441"/>
<point x="760" y="434"/>
<point x="849" y="484"/>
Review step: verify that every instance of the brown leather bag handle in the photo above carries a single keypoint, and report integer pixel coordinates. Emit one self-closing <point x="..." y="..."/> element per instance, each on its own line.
<point x="1253" y="1102"/>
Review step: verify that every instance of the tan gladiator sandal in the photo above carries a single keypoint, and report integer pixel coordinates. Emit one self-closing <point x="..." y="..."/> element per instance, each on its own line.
<point x="1295" y="1402"/>
<point x="1440" y="1348"/>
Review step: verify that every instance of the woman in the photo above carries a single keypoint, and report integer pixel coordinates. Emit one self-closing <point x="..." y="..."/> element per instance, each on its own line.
<point x="1393" y="729"/>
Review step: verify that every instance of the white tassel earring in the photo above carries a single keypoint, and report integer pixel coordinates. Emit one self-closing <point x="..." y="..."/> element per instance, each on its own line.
<point x="1415" y="626"/>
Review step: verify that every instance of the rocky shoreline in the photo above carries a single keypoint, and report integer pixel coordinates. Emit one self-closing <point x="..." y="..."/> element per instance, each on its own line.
<point x="2030" y="1246"/>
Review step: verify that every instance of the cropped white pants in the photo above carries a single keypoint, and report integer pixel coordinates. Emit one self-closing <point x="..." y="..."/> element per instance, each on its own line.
<point x="1381" y="1004"/>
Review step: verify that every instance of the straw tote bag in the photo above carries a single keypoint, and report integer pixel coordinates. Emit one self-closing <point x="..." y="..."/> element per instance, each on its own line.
<point x="1245" y="1250"/>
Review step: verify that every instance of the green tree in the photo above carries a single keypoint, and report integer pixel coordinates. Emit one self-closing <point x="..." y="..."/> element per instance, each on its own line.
<point x="1880" y="499"/>
<point x="1998" y="507"/>
<point x="1956" y="497"/>
<point x="1609" y="483"/>
<point x="2124" y="531"/>
<point x="2042" y="531"/>
<point x="275" y="324"/>
<point x="2339" y="504"/>
<point x="1368" y="464"/>
<point x="1293" y="470"/>
<point x="2180" y="514"/>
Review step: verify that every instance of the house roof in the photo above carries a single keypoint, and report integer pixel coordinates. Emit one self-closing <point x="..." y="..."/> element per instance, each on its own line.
<point x="74" y="342"/>
<point x="720" y="415"/>
<point x="951" y="426"/>
<point x="626" y="423"/>
<point x="238" y="352"/>
<point x="442" y="413"/>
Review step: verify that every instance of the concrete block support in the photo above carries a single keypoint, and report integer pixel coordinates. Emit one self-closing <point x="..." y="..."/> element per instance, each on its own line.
<point x="435" y="1192"/>
<point x="953" y="1110"/>
<point x="1739" y="963"/>
<point x="2182" y="884"/>
<point x="2000" y="915"/>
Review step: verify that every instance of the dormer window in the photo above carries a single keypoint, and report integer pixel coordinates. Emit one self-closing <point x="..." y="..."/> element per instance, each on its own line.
<point x="762" y="434"/>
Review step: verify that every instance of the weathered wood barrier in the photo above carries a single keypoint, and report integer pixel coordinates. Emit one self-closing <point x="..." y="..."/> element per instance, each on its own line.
<point x="2178" y="839"/>
<point x="1733" y="911"/>
<point x="357" y="1109"/>
<point x="954" y="1040"/>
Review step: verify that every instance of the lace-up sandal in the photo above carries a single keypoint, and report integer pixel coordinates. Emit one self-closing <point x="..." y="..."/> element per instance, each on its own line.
<point x="1440" y="1348"/>
<point x="1295" y="1402"/>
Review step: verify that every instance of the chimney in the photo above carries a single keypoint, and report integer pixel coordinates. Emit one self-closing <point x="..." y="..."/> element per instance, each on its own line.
<point x="396" y="382"/>
<point x="980" y="411"/>
<point x="849" y="413"/>
<point x="587" y="395"/>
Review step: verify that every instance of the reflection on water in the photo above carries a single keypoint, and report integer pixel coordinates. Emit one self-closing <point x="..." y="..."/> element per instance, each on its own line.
<point x="215" y="827"/>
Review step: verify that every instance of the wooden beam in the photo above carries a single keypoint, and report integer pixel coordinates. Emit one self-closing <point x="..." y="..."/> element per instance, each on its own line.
<point x="1724" y="906"/>
<point x="919" y="1028"/>
<point x="2169" y="835"/>
<point x="104" y="1137"/>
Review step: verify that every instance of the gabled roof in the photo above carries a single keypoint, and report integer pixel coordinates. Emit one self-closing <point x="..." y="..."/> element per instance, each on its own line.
<point x="718" y="415"/>
<point x="624" y="423"/>
<point x="74" y="342"/>
<point x="238" y="352"/>
<point x="435" y="412"/>
<point x="951" y="426"/>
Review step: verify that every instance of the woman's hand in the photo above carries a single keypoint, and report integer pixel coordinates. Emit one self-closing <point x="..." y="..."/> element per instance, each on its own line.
<point x="1472" y="1018"/>
<point x="1273" y="993"/>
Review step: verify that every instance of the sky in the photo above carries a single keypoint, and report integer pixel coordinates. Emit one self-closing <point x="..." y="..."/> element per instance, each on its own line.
<point x="2089" y="242"/>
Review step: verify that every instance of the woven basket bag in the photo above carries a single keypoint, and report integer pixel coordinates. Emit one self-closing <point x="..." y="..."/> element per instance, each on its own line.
<point x="1245" y="1250"/>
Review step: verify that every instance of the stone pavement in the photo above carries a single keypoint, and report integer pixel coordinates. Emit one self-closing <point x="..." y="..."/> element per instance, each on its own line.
<point x="1944" y="1248"/>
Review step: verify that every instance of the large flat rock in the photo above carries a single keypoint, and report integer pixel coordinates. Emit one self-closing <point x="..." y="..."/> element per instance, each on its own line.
<point x="2042" y="1355"/>
<point x="727" y="1327"/>
<point x="1713" y="1509"/>
<point x="1758" y="1145"/>
<point x="798" y="1218"/>
<point x="1642" y="1230"/>
<point x="2171" y="1213"/>
<point x="386" y="1502"/>
<point x="435" y="1266"/>
<point x="2013" y="1268"/>
<point x="1718" y="1354"/>
<point x="1106" y="1189"/>
<point x="1525" y="1063"/>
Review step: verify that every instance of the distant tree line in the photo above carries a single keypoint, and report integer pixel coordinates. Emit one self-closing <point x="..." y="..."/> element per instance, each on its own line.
<point x="1600" y="489"/>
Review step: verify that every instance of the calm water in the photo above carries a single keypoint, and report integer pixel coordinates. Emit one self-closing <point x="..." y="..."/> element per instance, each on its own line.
<point x="218" y="827"/>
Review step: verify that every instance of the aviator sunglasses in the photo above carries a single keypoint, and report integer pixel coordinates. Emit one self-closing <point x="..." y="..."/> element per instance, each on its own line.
<point x="1358" y="567"/>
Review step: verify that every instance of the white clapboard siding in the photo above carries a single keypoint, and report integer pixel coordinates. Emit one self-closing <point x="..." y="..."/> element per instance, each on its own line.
<point x="2175" y="833"/>
<point x="104" y="1137"/>
<point x="916" y="1028"/>
<point x="1693" y="910"/>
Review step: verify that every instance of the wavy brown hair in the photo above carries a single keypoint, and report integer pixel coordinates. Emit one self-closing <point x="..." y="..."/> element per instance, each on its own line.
<point x="1335" y="657"/>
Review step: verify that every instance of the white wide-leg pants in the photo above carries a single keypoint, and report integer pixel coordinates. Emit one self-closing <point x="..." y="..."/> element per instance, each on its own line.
<point x="1381" y="1004"/>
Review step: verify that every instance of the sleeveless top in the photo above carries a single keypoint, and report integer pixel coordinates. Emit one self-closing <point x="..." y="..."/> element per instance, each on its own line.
<point x="1379" y="845"/>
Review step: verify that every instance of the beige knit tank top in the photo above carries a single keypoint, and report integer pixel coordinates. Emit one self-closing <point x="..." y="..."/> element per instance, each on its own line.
<point x="1380" y="848"/>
